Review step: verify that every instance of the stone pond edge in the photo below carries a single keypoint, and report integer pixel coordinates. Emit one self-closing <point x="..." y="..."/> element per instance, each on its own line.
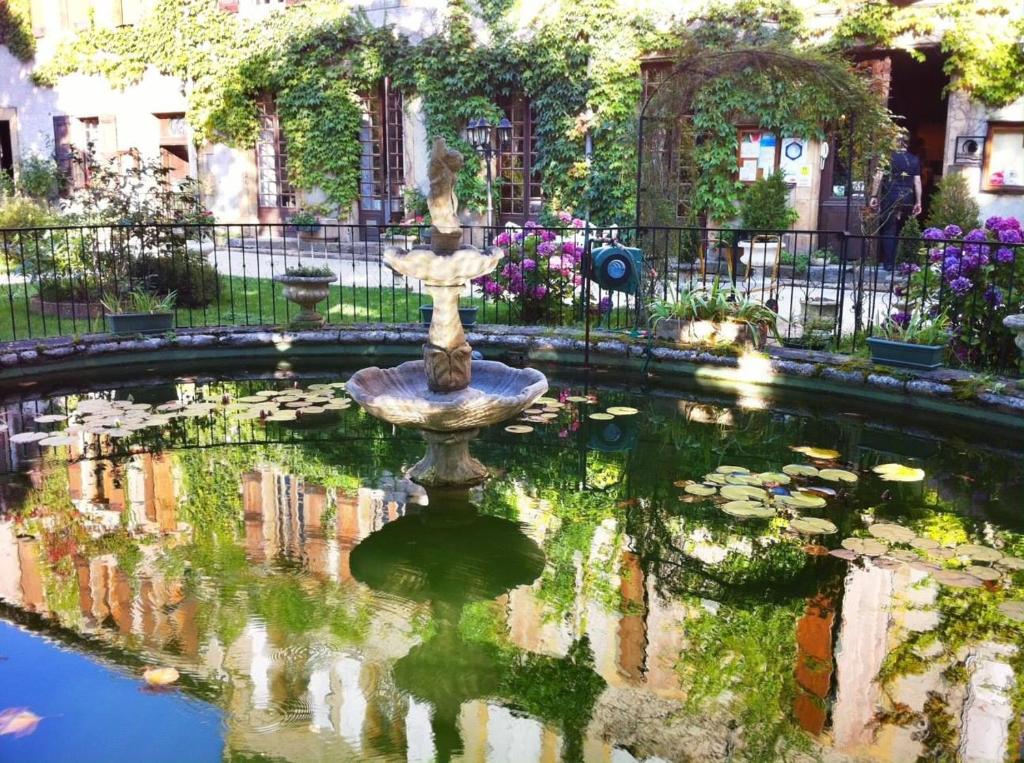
<point x="947" y="391"/>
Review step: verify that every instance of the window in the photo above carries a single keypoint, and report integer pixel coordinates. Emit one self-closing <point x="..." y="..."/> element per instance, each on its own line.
<point x="174" y="145"/>
<point x="382" y="164"/>
<point x="273" y="189"/>
<point x="1003" y="168"/>
<point x="757" y="155"/>
<point x="520" y="194"/>
<point x="669" y="142"/>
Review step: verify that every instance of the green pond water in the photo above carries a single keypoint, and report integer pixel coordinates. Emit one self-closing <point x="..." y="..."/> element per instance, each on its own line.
<point x="690" y="577"/>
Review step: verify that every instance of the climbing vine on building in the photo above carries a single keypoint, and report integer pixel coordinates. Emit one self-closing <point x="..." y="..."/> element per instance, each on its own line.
<point x="16" y="28"/>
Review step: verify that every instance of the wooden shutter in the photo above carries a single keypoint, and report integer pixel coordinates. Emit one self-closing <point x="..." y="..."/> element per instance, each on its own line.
<point x="62" y="144"/>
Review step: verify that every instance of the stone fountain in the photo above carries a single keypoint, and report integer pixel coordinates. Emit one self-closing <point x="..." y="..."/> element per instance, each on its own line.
<point x="448" y="396"/>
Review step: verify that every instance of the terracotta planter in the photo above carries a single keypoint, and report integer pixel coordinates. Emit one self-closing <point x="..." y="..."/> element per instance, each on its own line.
<point x="140" y="323"/>
<point x="921" y="357"/>
<point x="306" y="292"/>
<point x="68" y="310"/>
<point x="707" y="332"/>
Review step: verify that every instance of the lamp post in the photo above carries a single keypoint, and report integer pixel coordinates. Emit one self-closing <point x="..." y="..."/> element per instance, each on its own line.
<point x="480" y="134"/>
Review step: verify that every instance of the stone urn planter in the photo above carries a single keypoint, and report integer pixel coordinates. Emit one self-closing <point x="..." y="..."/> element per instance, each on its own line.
<point x="761" y="253"/>
<point x="1016" y="324"/>
<point x="685" y="332"/>
<point x="921" y="357"/>
<point x="306" y="292"/>
<point x="466" y="314"/>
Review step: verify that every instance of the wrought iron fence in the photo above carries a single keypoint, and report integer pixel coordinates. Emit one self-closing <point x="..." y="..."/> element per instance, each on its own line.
<point x="829" y="289"/>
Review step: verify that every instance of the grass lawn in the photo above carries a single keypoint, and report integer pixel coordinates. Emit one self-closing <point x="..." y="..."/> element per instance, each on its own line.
<point x="243" y="302"/>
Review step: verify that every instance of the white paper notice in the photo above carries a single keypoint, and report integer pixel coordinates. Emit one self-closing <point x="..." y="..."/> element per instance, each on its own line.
<point x="748" y="170"/>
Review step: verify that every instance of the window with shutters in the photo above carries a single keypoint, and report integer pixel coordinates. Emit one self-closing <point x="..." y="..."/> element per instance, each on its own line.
<point x="382" y="164"/>
<point x="174" y="145"/>
<point x="274" y="190"/>
<point x="520" y="196"/>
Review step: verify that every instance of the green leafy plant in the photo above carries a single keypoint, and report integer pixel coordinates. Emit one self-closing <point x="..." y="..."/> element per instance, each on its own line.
<point x="717" y="305"/>
<point x="16" y="28"/>
<point x="309" y="271"/>
<point x="953" y="204"/>
<point x="39" y="178"/>
<point x="765" y="205"/>
<point x="916" y="328"/>
<point x="138" y="301"/>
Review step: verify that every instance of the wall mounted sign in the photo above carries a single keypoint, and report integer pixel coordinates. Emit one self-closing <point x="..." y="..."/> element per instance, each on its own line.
<point x="969" y="149"/>
<point x="794" y="163"/>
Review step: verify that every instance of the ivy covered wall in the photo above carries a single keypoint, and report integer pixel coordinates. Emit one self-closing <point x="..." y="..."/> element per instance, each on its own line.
<point x="579" y="63"/>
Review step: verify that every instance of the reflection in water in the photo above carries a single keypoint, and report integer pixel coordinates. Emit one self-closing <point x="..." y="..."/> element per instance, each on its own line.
<point x="577" y="606"/>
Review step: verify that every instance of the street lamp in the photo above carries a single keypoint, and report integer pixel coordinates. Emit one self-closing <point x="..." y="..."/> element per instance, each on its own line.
<point x="480" y="134"/>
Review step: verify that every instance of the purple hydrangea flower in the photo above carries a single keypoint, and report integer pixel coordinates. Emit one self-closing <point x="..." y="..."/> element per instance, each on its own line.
<point x="909" y="268"/>
<point x="530" y="224"/>
<point x="993" y="222"/>
<point x="952" y="231"/>
<point x="1010" y="236"/>
<point x="605" y="305"/>
<point x="901" y="319"/>
<point x="993" y="296"/>
<point x="502" y="239"/>
<point x="960" y="285"/>
<point x="976" y="234"/>
<point x="539" y="291"/>
<point x="492" y="288"/>
<point x="547" y="248"/>
<point x="548" y="235"/>
<point x="564" y="217"/>
<point x="529" y="264"/>
<point x="952" y="251"/>
<point x="932" y="234"/>
<point x="936" y="255"/>
<point x="1004" y="255"/>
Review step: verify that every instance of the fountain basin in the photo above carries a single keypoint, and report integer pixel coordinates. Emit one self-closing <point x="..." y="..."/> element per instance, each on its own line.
<point x="400" y="395"/>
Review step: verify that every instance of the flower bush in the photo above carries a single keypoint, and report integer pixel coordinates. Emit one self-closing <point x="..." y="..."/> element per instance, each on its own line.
<point x="540" y="278"/>
<point x="976" y="278"/>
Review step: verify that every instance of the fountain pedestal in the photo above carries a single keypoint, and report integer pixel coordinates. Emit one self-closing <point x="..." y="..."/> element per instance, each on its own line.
<point x="447" y="355"/>
<point x="448" y="462"/>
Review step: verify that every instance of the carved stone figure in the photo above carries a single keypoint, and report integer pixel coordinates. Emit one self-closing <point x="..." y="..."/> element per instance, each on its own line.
<point x="442" y="202"/>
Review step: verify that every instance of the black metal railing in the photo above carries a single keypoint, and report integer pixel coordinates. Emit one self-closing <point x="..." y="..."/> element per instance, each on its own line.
<point x="829" y="289"/>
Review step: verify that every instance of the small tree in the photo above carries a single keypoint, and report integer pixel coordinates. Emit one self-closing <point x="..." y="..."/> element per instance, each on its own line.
<point x="953" y="204"/>
<point x="765" y="205"/>
<point x="910" y="241"/>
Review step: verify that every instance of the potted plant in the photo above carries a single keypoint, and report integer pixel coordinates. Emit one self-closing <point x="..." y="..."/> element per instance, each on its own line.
<point x="764" y="214"/>
<point x="306" y="286"/>
<point x="717" y="316"/>
<point x="911" y="341"/>
<point x="466" y="314"/>
<point x="139" y="312"/>
<point x="307" y="220"/>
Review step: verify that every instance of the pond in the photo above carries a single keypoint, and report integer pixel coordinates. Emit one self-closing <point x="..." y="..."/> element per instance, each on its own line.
<point x="646" y="576"/>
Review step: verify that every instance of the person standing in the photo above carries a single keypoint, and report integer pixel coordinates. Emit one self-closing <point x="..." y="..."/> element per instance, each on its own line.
<point x="901" y="197"/>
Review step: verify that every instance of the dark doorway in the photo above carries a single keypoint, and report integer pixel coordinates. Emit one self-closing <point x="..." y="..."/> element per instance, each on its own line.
<point x="6" y="149"/>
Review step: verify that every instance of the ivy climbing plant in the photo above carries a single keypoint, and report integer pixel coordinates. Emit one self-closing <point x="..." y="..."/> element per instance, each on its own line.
<point x="16" y="28"/>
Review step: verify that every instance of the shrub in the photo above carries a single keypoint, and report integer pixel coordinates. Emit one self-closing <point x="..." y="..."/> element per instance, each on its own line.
<point x="191" y="277"/>
<point x="953" y="204"/>
<point x="765" y="205"/>
<point x="39" y="178"/>
<point x="910" y="241"/>
<point x="19" y="212"/>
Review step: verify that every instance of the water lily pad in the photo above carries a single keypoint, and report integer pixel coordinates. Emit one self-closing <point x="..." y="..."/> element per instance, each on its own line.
<point x="50" y="418"/>
<point x="718" y="479"/>
<point x="902" y="555"/>
<point x="837" y="475"/>
<point x="726" y="469"/>
<point x="622" y="410"/>
<point x="986" y="574"/>
<point x="892" y="533"/>
<point x="160" y="676"/>
<point x="1013" y="609"/>
<point x="22" y="437"/>
<point x="774" y="478"/>
<point x="742" y="479"/>
<point x="601" y="416"/>
<point x="577" y="399"/>
<point x="547" y="416"/>
<point x="311" y="410"/>
<point x="57" y="441"/>
<point x="800" y="470"/>
<point x="924" y="544"/>
<point x="865" y="546"/>
<point x="885" y="563"/>
<point x="844" y="553"/>
<point x="1011" y="563"/>
<point x="812" y="526"/>
<point x="518" y="429"/>
<point x="174" y="405"/>
<point x="977" y="553"/>
<point x="701" y="490"/>
<point x="545" y="400"/>
<point x="898" y="473"/>
<point x="818" y="454"/>
<point x="801" y="501"/>
<point x="941" y="553"/>
<point x="283" y="416"/>
<point x="956" y="579"/>
<point x="744" y="493"/>
<point x="748" y="510"/>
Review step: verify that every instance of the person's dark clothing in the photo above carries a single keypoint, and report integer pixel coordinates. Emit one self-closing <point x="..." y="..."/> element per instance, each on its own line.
<point x="897" y="202"/>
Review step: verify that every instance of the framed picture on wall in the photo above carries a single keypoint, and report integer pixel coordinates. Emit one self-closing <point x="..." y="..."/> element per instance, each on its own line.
<point x="1002" y="170"/>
